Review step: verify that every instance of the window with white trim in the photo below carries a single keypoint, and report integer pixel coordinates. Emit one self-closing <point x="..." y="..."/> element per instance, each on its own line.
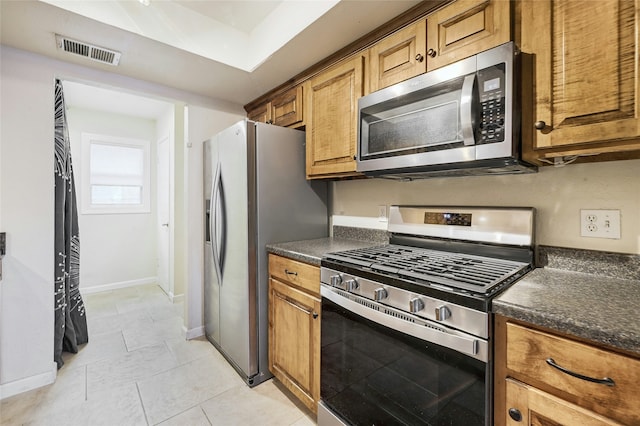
<point x="116" y="175"/>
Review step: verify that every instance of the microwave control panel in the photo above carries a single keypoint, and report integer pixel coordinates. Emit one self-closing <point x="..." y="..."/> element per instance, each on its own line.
<point x="491" y="85"/>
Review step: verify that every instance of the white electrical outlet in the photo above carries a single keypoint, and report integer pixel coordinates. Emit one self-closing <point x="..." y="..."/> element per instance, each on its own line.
<point x="600" y="223"/>
<point x="382" y="214"/>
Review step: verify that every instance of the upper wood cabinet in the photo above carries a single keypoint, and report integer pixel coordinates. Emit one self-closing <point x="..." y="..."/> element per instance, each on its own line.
<point x="331" y="117"/>
<point x="399" y="56"/>
<point x="285" y="109"/>
<point x="586" y="76"/>
<point x="261" y="113"/>
<point x="464" y="28"/>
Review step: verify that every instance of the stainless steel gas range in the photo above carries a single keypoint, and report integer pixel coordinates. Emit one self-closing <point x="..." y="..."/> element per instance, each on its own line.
<point x="406" y="327"/>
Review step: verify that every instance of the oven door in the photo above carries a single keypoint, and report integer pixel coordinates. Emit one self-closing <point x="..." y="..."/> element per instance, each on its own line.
<point x="374" y="374"/>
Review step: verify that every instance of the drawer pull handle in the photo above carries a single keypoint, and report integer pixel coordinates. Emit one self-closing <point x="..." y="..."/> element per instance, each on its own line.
<point x="606" y="381"/>
<point x="288" y="272"/>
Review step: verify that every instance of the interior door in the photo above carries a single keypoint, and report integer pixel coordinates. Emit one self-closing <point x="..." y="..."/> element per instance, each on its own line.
<point x="163" y="214"/>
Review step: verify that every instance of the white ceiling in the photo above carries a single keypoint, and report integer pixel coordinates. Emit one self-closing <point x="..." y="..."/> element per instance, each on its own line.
<point x="31" y="25"/>
<point x="241" y="34"/>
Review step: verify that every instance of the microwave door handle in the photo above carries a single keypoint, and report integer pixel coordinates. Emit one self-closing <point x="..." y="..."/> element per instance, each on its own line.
<point x="466" y="104"/>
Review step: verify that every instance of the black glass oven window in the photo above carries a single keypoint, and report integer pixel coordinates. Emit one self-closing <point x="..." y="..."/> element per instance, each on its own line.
<point x="371" y="375"/>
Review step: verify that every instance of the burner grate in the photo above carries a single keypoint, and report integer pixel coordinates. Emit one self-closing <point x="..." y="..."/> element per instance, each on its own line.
<point x="455" y="270"/>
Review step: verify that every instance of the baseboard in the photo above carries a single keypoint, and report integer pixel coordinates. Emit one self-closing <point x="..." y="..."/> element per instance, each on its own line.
<point x="176" y="298"/>
<point x="28" y="383"/>
<point x="194" y="332"/>
<point x="121" y="284"/>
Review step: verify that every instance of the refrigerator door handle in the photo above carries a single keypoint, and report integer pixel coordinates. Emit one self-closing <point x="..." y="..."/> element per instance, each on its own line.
<point x="223" y="227"/>
<point x="214" y="225"/>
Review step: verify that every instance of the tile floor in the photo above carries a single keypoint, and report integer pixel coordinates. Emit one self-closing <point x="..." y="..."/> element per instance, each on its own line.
<point x="138" y="369"/>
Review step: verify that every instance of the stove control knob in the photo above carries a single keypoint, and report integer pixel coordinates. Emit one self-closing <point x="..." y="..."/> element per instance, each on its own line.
<point x="336" y="280"/>
<point x="379" y="294"/>
<point x="442" y="313"/>
<point x="415" y="305"/>
<point x="351" y="285"/>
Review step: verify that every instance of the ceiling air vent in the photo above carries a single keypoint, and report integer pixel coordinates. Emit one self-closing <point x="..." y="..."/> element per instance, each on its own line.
<point x="95" y="53"/>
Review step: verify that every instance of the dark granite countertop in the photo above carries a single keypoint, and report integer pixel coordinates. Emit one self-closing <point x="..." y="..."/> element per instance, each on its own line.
<point x="311" y="251"/>
<point x="598" y="308"/>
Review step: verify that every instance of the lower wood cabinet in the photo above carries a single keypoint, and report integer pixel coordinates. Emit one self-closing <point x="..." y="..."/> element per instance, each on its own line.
<point x="294" y="327"/>
<point x="544" y="378"/>
<point x="527" y="405"/>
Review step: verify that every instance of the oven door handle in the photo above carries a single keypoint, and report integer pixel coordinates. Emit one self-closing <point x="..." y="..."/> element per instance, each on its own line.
<point x="421" y="329"/>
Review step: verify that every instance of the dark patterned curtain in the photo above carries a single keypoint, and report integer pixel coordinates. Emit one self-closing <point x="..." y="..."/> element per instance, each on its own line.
<point x="70" y="319"/>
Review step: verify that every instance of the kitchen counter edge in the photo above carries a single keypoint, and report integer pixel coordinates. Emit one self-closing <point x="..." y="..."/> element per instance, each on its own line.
<point x="576" y="303"/>
<point x="312" y="251"/>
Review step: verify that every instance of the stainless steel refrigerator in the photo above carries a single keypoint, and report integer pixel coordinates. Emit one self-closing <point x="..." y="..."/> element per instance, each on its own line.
<point x="255" y="193"/>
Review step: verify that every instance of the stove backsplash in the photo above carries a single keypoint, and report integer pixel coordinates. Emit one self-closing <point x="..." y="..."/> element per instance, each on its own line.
<point x="361" y="234"/>
<point x="615" y="265"/>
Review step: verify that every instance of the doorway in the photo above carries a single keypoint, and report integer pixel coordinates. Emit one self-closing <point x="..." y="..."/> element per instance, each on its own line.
<point x="126" y="249"/>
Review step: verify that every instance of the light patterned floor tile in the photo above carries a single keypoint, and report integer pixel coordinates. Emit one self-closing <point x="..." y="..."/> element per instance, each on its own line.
<point x="242" y="405"/>
<point x="192" y="417"/>
<point x="118" y="406"/>
<point x="162" y="378"/>
<point x="168" y="394"/>
<point x="143" y="303"/>
<point x="100" y="304"/>
<point x="136" y="337"/>
<point x="306" y="420"/>
<point x="99" y="347"/>
<point x="130" y="367"/>
<point x="117" y="322"/>
<point x="189" y="350"/>
<point x="68" y="390"/>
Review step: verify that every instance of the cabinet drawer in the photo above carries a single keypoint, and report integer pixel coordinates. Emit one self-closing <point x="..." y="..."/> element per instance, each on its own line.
<point x="297" y="273"/>
<point x="540" y="408"/>
<point x="530" y="352"/>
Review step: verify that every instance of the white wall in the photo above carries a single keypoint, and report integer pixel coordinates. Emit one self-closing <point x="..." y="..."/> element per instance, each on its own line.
<point x="558" y="194"/>
<point x="26" y="215"/>
<point x="115" y="249"/>
<point x="26" y="203"/>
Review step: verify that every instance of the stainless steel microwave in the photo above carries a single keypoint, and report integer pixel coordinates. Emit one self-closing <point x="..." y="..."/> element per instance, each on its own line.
<point x="461" y="119"/>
